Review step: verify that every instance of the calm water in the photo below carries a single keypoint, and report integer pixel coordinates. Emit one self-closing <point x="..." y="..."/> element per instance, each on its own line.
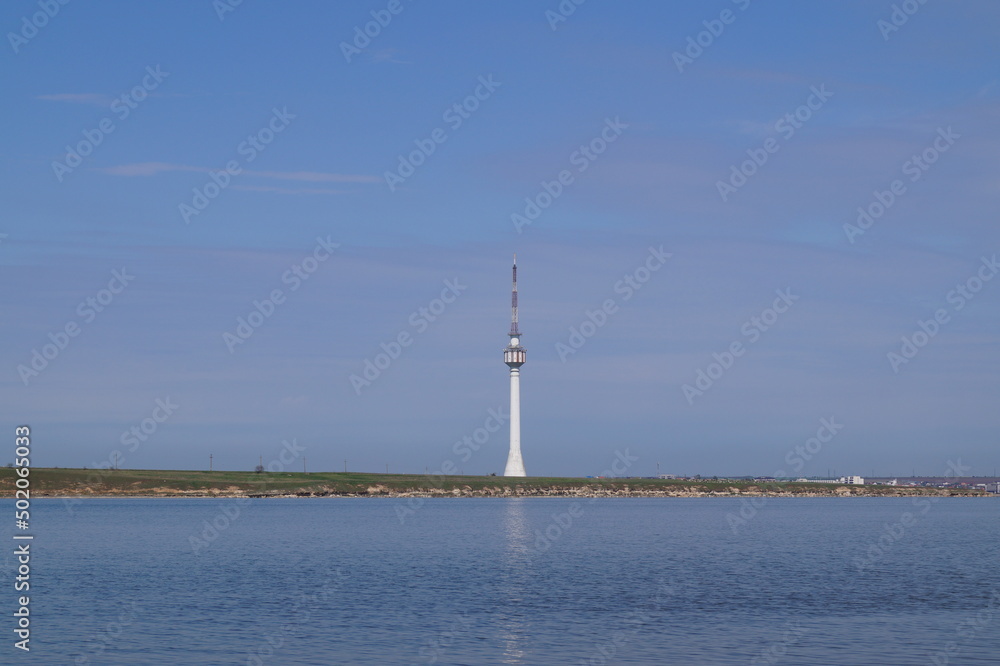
<point x="467" y="581"/>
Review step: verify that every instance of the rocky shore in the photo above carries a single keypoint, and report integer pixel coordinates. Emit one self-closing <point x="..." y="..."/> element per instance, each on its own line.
<point x="79" y="483"/>
<point x="584" y="491"/>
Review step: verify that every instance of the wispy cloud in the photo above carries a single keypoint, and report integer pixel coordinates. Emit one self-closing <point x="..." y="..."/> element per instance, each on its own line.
<point x="154" y="168"/>
<point x="315" y="176"/>
<point x="94" y="99"/>
<point x="759" y="75"/>
<point x="754" y="128"/>
<point x="147" y="169"/>
<point x="286" y="190"/>
<point x="388" y="55"/>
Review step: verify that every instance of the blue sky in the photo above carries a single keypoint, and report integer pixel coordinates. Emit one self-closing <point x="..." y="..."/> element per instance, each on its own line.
<point x="308" y="136"/>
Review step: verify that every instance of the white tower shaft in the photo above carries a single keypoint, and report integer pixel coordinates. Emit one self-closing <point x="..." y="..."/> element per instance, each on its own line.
<point x="515" y="464"/>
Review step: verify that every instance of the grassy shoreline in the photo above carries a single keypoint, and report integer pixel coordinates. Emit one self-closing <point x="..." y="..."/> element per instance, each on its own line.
<point x="62" y="482"/>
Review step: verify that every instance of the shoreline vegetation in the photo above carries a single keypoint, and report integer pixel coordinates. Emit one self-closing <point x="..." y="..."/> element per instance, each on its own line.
<point x="64" y="482"/>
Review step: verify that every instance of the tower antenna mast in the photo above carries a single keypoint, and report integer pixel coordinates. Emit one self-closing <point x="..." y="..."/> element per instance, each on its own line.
<point x="513" y="303"/>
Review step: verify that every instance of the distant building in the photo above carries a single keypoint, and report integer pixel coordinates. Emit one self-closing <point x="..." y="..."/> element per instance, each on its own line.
<point x="852" y="480"/>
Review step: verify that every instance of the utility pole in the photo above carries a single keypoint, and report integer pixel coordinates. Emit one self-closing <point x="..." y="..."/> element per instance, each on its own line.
<point x="303" y="464"/>
<point x="209" y="462"/>
<point x="387" y="468"/>
<point x="345" y="467"/>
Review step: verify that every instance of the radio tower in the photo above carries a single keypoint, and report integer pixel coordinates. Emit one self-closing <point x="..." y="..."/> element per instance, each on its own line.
<point x="514" y="356"/>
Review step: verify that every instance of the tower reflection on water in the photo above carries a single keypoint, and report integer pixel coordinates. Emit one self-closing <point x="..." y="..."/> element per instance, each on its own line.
<point x="515" y="575"/>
